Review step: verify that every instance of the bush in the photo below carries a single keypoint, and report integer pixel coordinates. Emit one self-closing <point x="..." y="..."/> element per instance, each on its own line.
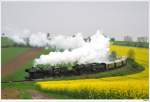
<point x="134" y="65"/>
<point x="133" y="44"/>
<point x="131" y="54"/>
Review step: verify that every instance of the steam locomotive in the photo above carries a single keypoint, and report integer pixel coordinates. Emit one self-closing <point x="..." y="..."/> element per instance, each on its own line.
<point x="40" y="73"/>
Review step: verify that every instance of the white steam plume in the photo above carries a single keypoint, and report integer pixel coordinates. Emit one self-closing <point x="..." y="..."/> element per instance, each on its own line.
<point x="40" y="39"/>
<point x="67" y="42"/>
<point x="95" y="51"/>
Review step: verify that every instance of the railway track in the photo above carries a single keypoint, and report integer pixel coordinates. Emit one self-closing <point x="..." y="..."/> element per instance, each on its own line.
<point x="33" y="80"/>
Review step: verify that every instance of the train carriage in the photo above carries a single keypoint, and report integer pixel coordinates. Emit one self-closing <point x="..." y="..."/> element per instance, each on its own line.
<point x="118" y="63"/>
<point x="110" y="65"/>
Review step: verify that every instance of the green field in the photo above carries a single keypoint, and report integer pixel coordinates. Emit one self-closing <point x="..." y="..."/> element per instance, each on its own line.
<point x="20" y="73"/>
<point x="7" y="54"/>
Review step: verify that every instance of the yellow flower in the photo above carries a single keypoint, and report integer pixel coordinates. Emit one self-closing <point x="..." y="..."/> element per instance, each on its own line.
<point x="129" y="86"/>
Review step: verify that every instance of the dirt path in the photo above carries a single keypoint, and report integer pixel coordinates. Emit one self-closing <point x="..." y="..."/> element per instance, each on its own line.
<point x="20" y="60"/>
<point x="39" y="95"/>
<point x="9" y="93"/>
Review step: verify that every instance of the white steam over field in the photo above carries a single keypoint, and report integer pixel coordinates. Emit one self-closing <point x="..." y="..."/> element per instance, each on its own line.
<point x="67" y="42"/>
<point x="40" y="39"/>
<point x="95" y="51"/>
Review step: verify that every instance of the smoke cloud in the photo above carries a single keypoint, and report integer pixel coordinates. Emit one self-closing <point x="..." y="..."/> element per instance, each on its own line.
<point x="76" y="49"/>
<point x="95" y="51"/>
<point x="25" y="37"/>
<point x="67" y="42"/>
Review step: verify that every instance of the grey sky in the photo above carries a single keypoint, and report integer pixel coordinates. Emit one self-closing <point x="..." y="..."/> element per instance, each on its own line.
<point x="113" y="18"/>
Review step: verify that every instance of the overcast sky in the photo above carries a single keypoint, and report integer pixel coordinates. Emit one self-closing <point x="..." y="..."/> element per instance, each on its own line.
<point x="115" y="19"/>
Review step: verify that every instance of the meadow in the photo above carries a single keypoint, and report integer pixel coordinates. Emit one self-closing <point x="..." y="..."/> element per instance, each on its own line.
<point x="134" y="86"/>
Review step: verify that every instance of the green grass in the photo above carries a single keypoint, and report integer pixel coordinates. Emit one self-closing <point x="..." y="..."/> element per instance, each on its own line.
<point x="7" y="54"/>
<point x="18" y="74"/>
<point x="22" y="87"/>
<point x="19" y="85"/>
<point x="24" y="94"/>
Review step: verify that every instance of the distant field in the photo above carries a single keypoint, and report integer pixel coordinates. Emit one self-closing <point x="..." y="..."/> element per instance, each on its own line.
<point x="128" y="86"/>
<point x="7" y="54"/>
<point x="132" y="44"/>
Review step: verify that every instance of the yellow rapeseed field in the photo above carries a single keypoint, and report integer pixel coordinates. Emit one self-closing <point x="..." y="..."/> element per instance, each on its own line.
<point x="141" y="56"/>
<point x="129" y="86"/>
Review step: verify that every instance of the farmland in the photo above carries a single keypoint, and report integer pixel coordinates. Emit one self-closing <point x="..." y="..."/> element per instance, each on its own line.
<point x="75" y="50"/>
<point x="128" y="86"/>
<point x="115" y="84"/>
<point x="19" y="74"/>
<point x="7" y="56"/>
